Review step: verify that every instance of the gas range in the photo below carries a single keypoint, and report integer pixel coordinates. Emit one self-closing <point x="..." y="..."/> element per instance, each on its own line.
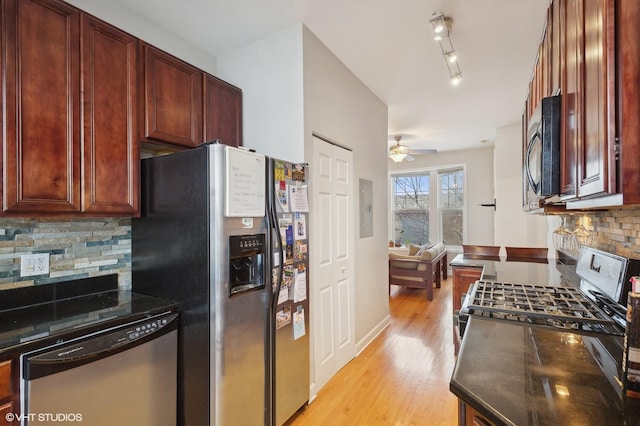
<point x="598" y="305"/>
<point x="540" y="354"/>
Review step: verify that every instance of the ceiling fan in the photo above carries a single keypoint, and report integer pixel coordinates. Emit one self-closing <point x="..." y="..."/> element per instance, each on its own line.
<point x="400" y="153"/>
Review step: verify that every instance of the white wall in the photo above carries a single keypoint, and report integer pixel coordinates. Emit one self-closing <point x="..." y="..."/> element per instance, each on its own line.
<point x="137" y="25"/>
<point x="516" y="228"/>
<point x="478" y="165"/>
<point x="270" y="74"/>
<point x="339" y="107"/>
<point x="292" y="87"/>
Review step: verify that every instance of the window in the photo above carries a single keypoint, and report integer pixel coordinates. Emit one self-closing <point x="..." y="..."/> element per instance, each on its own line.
<point x="411" y="208"/>
<point x="419" y="218"/>
<point x="451" y="205"/>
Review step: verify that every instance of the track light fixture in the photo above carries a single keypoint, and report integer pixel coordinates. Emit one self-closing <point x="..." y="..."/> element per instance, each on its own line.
<point x="442" y="26"/>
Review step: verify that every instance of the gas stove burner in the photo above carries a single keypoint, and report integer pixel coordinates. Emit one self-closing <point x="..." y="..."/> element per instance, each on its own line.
<point x="592" y="301"/>
<point x="565" y="325"/>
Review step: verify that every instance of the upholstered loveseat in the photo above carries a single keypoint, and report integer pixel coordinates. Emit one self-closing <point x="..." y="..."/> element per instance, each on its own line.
<point x="420" y="268"/>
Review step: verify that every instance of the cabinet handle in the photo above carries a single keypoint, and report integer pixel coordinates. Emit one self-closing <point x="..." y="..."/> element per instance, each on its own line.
<point x="532" y="183"/>
<point x="479" y="421"/>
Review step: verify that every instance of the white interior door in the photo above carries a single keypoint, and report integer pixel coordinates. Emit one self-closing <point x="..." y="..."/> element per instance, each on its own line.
<point x="332" y="260"/>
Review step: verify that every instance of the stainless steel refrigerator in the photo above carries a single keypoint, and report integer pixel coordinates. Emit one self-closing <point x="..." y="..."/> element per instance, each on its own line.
<point x="213" y="236"/>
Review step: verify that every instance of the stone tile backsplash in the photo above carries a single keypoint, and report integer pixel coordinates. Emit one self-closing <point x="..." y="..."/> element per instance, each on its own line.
<point x="615" y="231"/>
<point x="78" y="248"/>
<point x="83" y="248"/>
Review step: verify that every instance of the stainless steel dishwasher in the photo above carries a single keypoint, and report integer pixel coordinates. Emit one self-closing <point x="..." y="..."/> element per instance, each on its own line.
<point x="124" y="375"/>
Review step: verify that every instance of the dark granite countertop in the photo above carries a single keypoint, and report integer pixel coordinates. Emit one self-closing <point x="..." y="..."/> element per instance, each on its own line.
<point x="34" y="316"/>
<point x="533" y="271"/>
<point x="517" y="374"/>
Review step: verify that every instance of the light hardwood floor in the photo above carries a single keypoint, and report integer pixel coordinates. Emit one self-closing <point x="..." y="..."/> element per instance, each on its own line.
<point x="402" y="377"/>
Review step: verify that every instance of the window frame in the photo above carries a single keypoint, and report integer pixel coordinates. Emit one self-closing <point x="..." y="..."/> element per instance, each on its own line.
<point x="442" y="208"/>
<point x="435" y="225"/>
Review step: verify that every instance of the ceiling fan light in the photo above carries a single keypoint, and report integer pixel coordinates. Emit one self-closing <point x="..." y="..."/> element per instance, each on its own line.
<point x="397" y="157"/>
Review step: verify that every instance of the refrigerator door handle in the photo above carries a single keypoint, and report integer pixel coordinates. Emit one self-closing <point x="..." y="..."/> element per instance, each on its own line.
<point x="274" y="228"/>
<point x="273" y="303"/>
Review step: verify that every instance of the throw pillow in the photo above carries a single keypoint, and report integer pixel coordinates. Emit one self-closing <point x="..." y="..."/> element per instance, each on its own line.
<point x="424" y="248"/>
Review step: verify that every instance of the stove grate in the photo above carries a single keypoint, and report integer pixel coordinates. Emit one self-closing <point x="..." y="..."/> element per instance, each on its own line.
<point x="567" y="304"/>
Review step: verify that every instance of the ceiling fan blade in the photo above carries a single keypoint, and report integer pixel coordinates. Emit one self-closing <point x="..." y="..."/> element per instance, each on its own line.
<point x="422" y="151"/>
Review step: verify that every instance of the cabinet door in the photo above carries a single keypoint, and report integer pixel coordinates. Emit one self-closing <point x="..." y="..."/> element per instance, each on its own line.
<point x="546" y="57"/>
<point x="222" y="111"/>
<point x="110" y="149"/>
<point x="628" y="116"/>
<point x="173" y="99"/>
<point x="40" y="106"/>
<point x="5" y="380"/>
<point x="555" y="53"/>
<point x="596" y="161"/>
<point x="6" y="415"/>
<point x="571" y="95"/>
<point x="6" y="392"/>
<point x="463" y="277"/>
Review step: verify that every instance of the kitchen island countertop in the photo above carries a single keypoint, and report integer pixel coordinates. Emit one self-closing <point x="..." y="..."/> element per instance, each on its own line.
<point x="534" y="270"/>
<point x="515" y="374"/>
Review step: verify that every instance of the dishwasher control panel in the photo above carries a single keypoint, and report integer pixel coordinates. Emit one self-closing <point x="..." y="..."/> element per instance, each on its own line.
<point x="97" y="345"/>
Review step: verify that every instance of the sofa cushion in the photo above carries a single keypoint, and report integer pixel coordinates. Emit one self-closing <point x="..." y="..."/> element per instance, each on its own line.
<point x="413" y="249"/>
<point x="426" y="255"/>
<point x="403" y="265"/>
<point x="416" y="250"/>
<point x="432" y="252"/>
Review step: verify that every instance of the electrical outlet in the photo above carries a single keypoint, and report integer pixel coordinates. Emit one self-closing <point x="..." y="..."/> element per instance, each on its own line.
<point x="34" y="264"/>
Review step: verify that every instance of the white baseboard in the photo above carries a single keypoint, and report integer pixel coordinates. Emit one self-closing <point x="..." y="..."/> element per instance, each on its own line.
<point x="371" y="335"/>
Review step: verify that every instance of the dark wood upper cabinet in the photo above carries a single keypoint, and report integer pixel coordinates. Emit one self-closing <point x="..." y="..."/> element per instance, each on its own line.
<point x="596" y="153"/>
<point x="79" y="96"/>
<point x="172" y="99"/>
<point x="571" y="81"/>
<point x="546" y="61"/>
<point x="222" y="111"/>
<point x="555" y="26"/>
<point x="40" y="106"/>
<point x="69" y="112"/>
<point x="111" y="152"/>
<point x="594" y="51"/>
<point x="628" y="98"/>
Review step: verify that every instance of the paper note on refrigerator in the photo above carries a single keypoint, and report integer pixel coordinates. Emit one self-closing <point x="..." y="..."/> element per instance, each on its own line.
<point x="283" y="316"/>
<point x="282" y="195"/>
<point x="283" y="296"/>
<point x="298" y="323"/>
<point x="301" y="227"/>
<point x="300" y="286"/>
<point x="298" y="199"/>
<point x="245" y="195"/>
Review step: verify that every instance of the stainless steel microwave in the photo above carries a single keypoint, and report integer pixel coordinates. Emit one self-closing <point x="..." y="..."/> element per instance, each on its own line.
<point x="541" y="160"/>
